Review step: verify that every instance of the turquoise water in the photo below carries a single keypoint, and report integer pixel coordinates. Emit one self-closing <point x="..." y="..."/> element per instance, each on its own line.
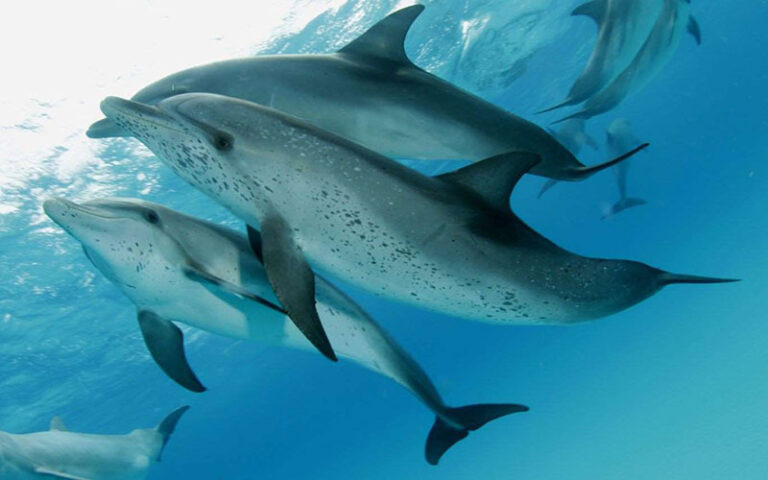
<point x="673" y="388"/>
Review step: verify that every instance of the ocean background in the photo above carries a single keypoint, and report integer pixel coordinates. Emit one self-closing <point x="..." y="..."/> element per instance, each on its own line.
<point x="674" y="388"/>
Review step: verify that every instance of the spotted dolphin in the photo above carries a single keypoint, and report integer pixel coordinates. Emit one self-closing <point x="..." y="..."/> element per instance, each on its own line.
<point x="145" y="249"/>
<point x="618" y="135"/>
<point x="447" y="243"/>
<point x="64" y="455"/>
<point x="371" y="93"/>
<point x="623" y="26"/>
<point x="675" y="17"/>
<point x="573" y="135"/>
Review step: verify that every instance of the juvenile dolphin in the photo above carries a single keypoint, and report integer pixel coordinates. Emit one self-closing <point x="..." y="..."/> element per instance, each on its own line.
<point x="573" y="135"/>
<point x="61" y="454"/>
<point x="623" y="26"/>
<point x="618" y="135"/>
<point x="448" y="243"/>
<point x="656" y="52"/>
<point x="142" y="247"/>
<point x="371" y="93"/>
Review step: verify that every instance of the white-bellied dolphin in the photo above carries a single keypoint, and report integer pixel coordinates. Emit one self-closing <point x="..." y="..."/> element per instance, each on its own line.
<point x="573" y="135"/>
<point x="618" y="135"/>
<point x="448" y="243"/>
<point x="371" y="93"/>
<point x="656" y="52"/>
<point x="623" y="26"/>
<point x="145" y="249"/>
<point x="59" y="454"/>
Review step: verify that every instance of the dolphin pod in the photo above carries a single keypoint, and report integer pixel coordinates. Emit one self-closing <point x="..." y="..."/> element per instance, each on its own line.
<point x="656" y="51"/>
<point x="448" y="243"/>
<point x="64" y="455"/>
<point x="302" y="149"/>
<point x="371" y="93"/>
<point x="121" y="235"/>
<point x="618" y="135"/>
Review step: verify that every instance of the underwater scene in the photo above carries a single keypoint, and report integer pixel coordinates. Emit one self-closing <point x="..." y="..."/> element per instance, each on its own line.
<point x="377" y="239"/>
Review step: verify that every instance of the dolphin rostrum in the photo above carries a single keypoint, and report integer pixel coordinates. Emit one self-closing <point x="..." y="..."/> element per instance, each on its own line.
<point x="623" y="26"/>
<point x="573" y="135"/>
<point x="448" y="243"/>
<point x="617" y="136"/>
<point x="656" y="52"/>
<point x="143" y="248"/>
<point x="59" y="454"/>
<point x="371" y="93"/>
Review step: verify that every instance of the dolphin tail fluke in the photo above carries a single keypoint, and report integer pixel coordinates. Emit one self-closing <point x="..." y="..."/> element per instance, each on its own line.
<point x="666" y="278"/>
<point x="443" y="435"/>
<point x="168" y="426"/>
<point x="106" y="128"/>
<point x="585" y="172"/>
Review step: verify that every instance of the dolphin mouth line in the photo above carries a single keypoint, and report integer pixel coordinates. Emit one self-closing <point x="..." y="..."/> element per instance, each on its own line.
<point x="139" y="112"/>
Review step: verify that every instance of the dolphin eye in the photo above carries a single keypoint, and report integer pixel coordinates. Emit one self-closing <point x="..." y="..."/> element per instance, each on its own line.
<point x="223" y="142"/>
<point x="152" y="217"/>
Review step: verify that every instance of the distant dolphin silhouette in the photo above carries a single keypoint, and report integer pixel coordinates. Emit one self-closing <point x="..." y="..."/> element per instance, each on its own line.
<point x="655" y="53"/>
<point x="619" y="134"/>
<point x="371" y="93"/>
<point x="573" y="135"/>
<point x="64" y="455"/>
<point x="623" y="26"/>
<point x="178" y="268"/>
<point x="448" y="243"/>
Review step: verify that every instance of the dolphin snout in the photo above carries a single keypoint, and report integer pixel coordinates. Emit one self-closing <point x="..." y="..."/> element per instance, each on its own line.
<point x="106" y="128"/>
<point x="132" y="115"/>
<point x="56" y="208"/>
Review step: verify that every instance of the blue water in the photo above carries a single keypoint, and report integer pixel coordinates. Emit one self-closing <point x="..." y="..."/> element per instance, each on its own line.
<point x="674" y="388"/>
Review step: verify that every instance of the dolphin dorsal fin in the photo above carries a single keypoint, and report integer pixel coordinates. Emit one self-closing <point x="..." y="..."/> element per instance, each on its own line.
<point x="385" y="40"/>
<point x="58" y="424"/>
<point x="494" y="178"/>
<point x="594" y="10"/>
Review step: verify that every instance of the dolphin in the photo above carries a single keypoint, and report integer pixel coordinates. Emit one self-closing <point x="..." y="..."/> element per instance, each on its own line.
<point x="623" y="26"/>
<point x="371" y="93"/>
<point x="573" y="135"/>
<point x="656" y="52"/>
<point x="448" y="243"/>
<point x="618" y="135"/>
<point x="64" y="455"/>
<point x="141" y="247"/>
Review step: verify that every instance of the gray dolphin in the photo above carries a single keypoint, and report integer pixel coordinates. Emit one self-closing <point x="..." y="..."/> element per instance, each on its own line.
<point x="448" y="243"/>
<point x="623" y="26"/>
<point x="618" y="135"/>
<point x="64" y="455"/>
<point x="145" y="249"/>
<point x="573" y="135"/>
<point x="371" y="93"/>
<point x="656" y="52"/>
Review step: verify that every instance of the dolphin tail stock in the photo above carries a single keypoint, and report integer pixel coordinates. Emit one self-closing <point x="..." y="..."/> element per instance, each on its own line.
<point x="581" y="173"/>
<point x="667" y="278"/>
<point x="470" y="418"/>
<point x="168" y="426"/>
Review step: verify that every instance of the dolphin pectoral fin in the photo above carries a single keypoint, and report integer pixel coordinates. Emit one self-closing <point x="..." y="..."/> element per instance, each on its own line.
<point x="550" y="183"/>
<point x="254" y="238"/>
<point x="293" y="281"/>
<point x="594" y="10"/>
<point x="494" y="178"/>
<point x="47" y="472"/>
<point x="385" y="40"/>
<point x="165" y="342"/>
<point x="443" y="436"/>
<point x="586" y="172"/>
<point x="197" y="272"/>
<point x="694" y="29"/>
<point x="57" y="424"/>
